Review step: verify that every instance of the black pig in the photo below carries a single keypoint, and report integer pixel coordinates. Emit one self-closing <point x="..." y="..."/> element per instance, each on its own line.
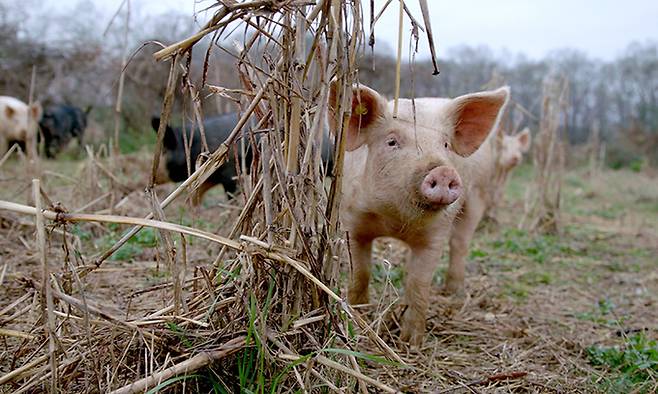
<point x="59" y="125"/>
<point x="217" y="130"/>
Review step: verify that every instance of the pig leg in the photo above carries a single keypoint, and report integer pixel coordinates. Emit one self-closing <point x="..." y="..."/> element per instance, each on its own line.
<point x="360" y="251"/>
<point x="418" y="283"/>
<point x="460" y="238"/>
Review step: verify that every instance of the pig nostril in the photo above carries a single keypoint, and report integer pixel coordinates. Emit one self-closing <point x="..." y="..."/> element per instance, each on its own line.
<point x="433" y="183"/>
<point x="453" y="185"/>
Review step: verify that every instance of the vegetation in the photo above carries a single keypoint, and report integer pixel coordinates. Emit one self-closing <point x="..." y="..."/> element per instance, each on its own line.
<point x="247" y="294"/>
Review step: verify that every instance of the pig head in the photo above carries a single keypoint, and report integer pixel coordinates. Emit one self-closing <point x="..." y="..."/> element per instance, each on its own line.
<point x="406" y="177"/>
<point x="18" y="122"/>
<point x="513" y="148"/>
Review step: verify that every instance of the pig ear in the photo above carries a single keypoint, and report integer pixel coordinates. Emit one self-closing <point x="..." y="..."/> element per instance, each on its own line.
<point x="474" y="116"/>
<point x="368" y="107"/>
<point x="36" y="111"/>
<point x="524" y="139"/>
<point x="9" y="111"/>
<point x="155" y="123"/>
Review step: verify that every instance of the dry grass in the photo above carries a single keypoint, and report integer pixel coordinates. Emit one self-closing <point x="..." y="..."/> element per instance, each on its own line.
<point x="533" y="305"/>
<point x="267" y="296"/>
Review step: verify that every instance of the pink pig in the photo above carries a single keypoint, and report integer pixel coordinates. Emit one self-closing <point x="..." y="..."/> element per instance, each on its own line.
<point x="18" y="122"/>
<point x="487" y="187"/>
<point x="509" y="154"/>
<point x="407" y="177"/>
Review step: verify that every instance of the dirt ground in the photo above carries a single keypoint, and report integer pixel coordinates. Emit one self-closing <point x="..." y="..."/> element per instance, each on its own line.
<point x="534" y="305"/>
<point x="536" y="309"/>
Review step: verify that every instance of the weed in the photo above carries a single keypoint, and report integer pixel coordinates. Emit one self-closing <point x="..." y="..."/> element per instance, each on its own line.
<point x="516" y="290"/>
<point x="478" y="254"/>
<point x="634" y="364"/>
<point x="539" y="247"/>
<point x="535" y="278"/>
<point x="81" y="233"/>
<point x="147" y="237"/>
<point x="388" y="272"/>
<point x="636" y="165"/>
<point x="601" y="315"/>
<point x="363" y="356"/>
<point x="133" y="141"/>
<point x="127" y="252"/>
<point x="575" y="181"/>
<point x="180" y="334"/>
<point x="205" y="380"/>
<point x="251" y="364"/>
<point x="607" y="212"/>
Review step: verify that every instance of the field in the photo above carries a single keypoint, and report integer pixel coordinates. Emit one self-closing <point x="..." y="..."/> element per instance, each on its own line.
<point x="574" y="312"/>
<point x="111" y="284"/>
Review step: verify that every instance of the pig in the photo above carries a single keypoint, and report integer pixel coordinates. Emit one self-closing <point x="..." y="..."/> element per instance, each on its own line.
<point x="487" y="186"/>
<point x="217" y="130"/>
<point x="59" y="125"/>
<point x="509" y="150"/>
<point x="18" y="123"/>
<point x="512" y="150"/>
<point x="175" y="169"/>
<point x="407" y="177"/>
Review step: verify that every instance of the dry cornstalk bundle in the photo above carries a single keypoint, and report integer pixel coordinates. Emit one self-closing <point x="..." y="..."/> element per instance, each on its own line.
<point x="261" y="311"/>
<point x="542" y="211"/>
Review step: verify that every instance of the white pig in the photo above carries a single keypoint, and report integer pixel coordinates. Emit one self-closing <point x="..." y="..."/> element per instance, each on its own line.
<point x="509" y="154"/>
<point x="407" y="178"/>
<point x="18" y="122"/>
<point x="487" y="186"/>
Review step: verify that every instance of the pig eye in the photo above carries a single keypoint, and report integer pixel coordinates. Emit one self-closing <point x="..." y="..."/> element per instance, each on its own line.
<point x="392" y="142"/>
<point x="446" y="146"/>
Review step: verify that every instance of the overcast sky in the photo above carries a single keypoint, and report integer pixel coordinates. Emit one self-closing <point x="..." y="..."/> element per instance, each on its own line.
<point x="601" y="28"/>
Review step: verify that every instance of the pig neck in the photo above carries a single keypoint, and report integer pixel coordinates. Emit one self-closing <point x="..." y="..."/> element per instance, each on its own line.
<point x="367" y="219"/>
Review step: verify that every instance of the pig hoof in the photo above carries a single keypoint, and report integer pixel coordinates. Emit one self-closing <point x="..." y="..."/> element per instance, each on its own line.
<point x="412" y="334"/>
<point x="413" y="328"/>
<point x="453" y="288"/>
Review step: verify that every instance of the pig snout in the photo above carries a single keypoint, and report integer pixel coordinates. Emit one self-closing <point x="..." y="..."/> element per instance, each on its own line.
<point x="441" y="186"/>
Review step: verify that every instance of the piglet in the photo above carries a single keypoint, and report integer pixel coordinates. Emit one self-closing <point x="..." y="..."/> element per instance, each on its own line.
<point x="406" y="177"/>
<point x="18" y="123"/>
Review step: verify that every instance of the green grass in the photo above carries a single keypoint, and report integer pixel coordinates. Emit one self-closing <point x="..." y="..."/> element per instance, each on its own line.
<point x="205" y="380"/>
<point x="132" y="141"/>
<point x="253" y="371"/>
<point x="382" y="273"/>
<point x="536" y="278"/>
<point x="516" y="290"/>
<point x="632" y="366"/>
<point x="518" y="182"/>
<point x="539" y="247"/>
<point x="173" y="327"/>
<point x="601" y="314"/>
<point x="145" y="239"/>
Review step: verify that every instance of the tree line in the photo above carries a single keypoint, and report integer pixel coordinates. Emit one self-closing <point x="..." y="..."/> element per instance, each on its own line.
<point x="620" y="97"/>
<point x="81" y="66"/>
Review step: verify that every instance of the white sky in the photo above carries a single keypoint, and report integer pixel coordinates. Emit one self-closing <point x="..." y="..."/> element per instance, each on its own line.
<point x="601" y="28"/>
